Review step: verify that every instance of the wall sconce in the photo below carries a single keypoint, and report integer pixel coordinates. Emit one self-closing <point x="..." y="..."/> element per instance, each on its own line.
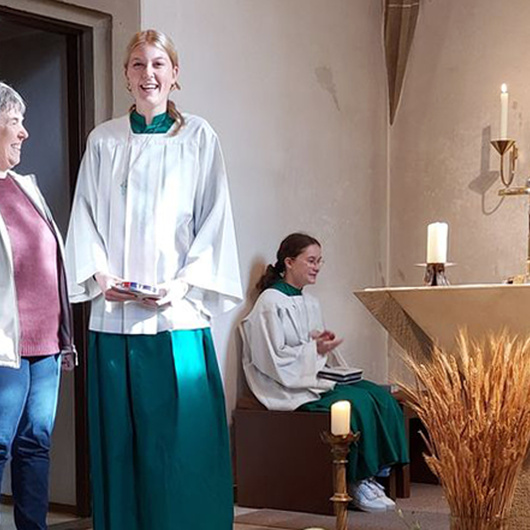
<point x="507" y="147"/>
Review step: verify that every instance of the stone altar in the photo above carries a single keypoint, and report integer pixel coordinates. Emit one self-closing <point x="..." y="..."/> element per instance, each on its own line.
<point x="418" y="317"/>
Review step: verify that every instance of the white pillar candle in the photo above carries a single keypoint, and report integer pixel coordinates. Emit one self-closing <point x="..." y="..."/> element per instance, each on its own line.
<point x="504" y="112"/>
<point x="340" y="418"/>
<point x="437" y="242"/>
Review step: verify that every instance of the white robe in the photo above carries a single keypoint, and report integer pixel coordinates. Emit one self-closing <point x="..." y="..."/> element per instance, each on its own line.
<point x="152" y="208"/>
<point x="280" y="359"/>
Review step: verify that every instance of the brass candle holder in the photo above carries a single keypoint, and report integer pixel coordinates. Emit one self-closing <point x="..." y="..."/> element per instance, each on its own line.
<point x="340" y="447"/>
<point x="503" y="147"/>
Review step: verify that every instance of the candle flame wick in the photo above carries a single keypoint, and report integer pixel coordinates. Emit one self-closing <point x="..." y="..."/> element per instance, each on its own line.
<point x="504" y="88"/>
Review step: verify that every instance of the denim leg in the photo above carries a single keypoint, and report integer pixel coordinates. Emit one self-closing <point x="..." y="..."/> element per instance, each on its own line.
<point x="31" y="448"/>
<point x="14" y="386"/>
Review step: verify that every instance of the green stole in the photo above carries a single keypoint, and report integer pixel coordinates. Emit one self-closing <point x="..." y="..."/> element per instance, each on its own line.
<point x="286" y="288"/>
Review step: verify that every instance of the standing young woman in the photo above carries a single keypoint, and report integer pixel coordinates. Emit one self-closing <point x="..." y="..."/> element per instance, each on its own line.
<point x="286" y="345"/>
<point x="152" y="207"/>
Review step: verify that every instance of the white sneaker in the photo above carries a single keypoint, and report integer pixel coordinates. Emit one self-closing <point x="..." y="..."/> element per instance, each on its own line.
<point x="379" y="491"/>
<point x="390" y="504"/>
<point x="365" y="498"/>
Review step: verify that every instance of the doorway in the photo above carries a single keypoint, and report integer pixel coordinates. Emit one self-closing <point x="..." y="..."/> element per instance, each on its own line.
<point x="50" y="64"/>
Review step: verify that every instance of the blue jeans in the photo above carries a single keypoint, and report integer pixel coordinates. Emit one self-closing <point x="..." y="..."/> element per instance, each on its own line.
<point x="28" y="402"/>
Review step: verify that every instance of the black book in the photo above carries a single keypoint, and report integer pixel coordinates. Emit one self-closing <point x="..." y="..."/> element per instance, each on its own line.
<point x="341" y="374"/>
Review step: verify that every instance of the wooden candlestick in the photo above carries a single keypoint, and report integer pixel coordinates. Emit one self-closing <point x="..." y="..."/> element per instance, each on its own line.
<point x="340" y="447"/>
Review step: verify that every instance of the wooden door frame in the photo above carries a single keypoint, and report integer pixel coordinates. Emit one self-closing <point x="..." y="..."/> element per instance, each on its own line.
<point x="81" y="112"/>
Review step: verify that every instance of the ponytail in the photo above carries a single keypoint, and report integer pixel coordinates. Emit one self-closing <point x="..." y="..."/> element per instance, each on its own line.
<point x="291" y="247"/>
<point x="270" y="277"/>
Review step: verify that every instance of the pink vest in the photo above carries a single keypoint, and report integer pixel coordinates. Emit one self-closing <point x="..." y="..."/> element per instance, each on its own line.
<point x="34" y="250"/>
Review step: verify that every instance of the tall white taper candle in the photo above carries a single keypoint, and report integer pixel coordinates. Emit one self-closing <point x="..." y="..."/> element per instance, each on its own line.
<point x="504" y="112"/>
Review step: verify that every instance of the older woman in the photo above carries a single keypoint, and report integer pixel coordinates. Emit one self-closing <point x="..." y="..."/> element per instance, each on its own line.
<point x="286" y="345"/>
<point x="35" y="323"/>
<point x="152" y="215"/>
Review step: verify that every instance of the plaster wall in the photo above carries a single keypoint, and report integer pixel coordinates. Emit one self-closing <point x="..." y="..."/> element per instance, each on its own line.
<point x="297" y="93"/>
<point x="442" y="166"/>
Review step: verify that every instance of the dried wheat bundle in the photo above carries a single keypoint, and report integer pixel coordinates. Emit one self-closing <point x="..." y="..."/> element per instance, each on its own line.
<point x="475" y="405"/>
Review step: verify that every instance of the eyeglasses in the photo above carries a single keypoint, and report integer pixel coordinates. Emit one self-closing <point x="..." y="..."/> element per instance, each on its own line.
<point x="314" y="262"/>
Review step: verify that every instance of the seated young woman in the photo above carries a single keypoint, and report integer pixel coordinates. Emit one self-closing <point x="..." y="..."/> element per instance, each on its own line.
<point x="286" y="345"/>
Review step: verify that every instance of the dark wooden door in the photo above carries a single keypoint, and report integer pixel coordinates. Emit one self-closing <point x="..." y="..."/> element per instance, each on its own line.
<point x="50" y="63"/>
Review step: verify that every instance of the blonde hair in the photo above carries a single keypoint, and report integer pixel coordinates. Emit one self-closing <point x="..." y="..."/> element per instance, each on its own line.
<point x="163" y="42"/>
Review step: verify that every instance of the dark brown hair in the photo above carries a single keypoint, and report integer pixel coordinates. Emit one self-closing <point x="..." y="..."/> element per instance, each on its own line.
<point x="291" y="247"/>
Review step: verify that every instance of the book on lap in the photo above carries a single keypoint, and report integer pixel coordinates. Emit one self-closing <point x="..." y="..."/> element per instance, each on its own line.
<point x="341" y="374"/>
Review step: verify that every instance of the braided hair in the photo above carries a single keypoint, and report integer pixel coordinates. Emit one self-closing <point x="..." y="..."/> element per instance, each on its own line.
<point x="164" y="43"/>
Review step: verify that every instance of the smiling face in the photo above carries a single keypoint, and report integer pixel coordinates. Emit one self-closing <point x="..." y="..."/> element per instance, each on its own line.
<point x="12" y="135"/>
<point x="151" y="76"/>
<point x="303" y="270"/>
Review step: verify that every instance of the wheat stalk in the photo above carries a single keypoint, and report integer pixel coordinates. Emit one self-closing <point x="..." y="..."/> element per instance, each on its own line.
<point x="475" y="405"/>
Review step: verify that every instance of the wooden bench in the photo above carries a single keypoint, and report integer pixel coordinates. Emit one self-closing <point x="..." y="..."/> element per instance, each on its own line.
<point x="282" y="463"/>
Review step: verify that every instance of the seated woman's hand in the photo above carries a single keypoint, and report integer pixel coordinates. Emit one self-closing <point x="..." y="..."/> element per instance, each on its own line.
<point x="109" y="287"/>
<point x="326" y="341"/>
<point x="328" y="335"/>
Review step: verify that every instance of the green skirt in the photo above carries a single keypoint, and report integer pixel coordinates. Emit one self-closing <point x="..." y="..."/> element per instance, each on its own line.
<point x="159" y="444"/>
<point x="379" y="419"/>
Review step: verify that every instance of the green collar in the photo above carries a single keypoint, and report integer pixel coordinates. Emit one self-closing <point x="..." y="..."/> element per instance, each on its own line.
<point x="160" y="124"/>
<point x="286" y="288"/>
